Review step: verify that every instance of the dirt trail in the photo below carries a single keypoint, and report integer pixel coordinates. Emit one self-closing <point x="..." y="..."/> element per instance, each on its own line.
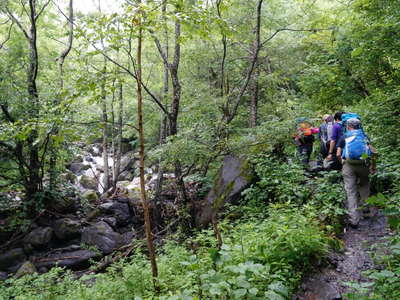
<point x="329" y="282"/>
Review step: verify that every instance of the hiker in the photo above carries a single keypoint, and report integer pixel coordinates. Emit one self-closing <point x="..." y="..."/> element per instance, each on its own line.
<point x="325" y="135"/>
<point x="337" y="133"/>
<point x="358" y="158"/>
<point x="304" y="139"/>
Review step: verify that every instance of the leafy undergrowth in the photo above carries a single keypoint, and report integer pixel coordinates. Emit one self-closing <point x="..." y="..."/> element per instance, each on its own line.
<point x="270" y="240"/>
<point x="261" y="258"/>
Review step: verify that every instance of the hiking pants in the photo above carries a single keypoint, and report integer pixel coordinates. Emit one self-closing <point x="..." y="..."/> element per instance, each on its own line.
<point x="356" y="184"/>
<point x="305" y="152"/>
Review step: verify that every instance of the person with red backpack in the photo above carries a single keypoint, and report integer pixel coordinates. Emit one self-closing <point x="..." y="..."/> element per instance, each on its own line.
<point x="304" y="139"/>
<point x="357" y="155"/>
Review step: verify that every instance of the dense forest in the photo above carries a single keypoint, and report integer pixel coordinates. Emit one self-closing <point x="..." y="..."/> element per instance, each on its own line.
<point x="147" y="151"/>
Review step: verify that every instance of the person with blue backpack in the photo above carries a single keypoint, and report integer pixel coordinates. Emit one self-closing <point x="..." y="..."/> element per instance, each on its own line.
<point x="357" y="155"/>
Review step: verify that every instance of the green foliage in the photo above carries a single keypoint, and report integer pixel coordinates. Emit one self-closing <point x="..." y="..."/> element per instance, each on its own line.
<point x="261" y="257"/>
<point x="279" y="181"/>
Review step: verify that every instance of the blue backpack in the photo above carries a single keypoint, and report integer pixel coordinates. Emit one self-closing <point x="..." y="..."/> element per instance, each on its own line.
<point x="357" y="148"/>
<point x="348" y="116"/>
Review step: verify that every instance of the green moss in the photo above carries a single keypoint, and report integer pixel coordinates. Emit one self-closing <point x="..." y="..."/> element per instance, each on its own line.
<point x="219" y="201"/>
<point x="247" y="171"/>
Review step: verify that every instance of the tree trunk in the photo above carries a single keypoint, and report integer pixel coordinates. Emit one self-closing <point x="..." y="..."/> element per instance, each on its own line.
<point x="254" y="98"/>
<point x="34" y="184"/>
<point x="61" y="59"/>
<point x="149" y="235"/>
<point x="106" y="180"/>
<point x="163" y="121"/>
<point x="117" y="157"/>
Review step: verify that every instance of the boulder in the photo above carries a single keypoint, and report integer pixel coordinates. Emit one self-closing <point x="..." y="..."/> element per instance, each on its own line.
<point x="73" y="257"/>
<point x="93" y="214"/>
<point x="77" y="167"/>
<point x="234" y="176"/>
<point x="40" y="237"/>
<point x="90" y="196"/>
<point x="62" y="204"/>
<point x="88" y="182"/>
<point x="128" y="161"/>
<point x="68" y="177"/>
<point x="88" y="158"/>
<point x="3" y="276"/>
<point x="126" y="176"/>
<point x="27" y="268"/>
<point x="320" y="289"/>
<point x="111" y="221"/>
<point x="12" y="259"/>
<point x="66" y="229"/>
<point x="102" y="236"/>
<point x="119" y="210"/>
<point x="127" y="237"/>
<point x="77" y="159"/>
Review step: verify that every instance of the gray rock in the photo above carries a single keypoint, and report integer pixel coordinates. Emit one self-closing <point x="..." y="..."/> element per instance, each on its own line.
<point x="77" y="167"/>
<point x="111" y="221"/>
<point x="119" y="210"/>
<point x="27" y="268"/>
<point x="128" y="161"/>
<point x="126" y="176"/>
<point x="234" y="176"/>
<point x="40" y="237"/>
<point x="102" y="236"/>
<point x="77" y="159"/>
<point x="3" y="276"/>
<point x="68" y="177"/>
<point x="12" y="259"/>
<point x="88" y="182"/>
<point x="105" y="207"/>
<point x="127" y="237"/>
<point x="322" y="290"/>
<point x="89" y="158"/>
<point x="71" y="259"/>
<point x="62" y="204"/>
<point x="66" y="229"/>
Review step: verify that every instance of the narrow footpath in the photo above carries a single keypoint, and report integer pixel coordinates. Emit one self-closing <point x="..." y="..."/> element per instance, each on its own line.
<point x="360" y="245"/>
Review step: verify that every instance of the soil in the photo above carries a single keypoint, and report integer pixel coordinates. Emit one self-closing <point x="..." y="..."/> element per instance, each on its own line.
<point x="360" y="245"/>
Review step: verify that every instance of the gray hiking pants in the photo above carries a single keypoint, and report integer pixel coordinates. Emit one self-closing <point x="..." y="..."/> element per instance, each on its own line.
<point x="356" y="184"/>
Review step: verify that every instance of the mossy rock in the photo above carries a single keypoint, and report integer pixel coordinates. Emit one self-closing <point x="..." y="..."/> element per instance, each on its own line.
<point x="88" y="182"/>
<point x="235" y="175"/>
<point x="90" y="196"/>
<point x="27" y="268"/>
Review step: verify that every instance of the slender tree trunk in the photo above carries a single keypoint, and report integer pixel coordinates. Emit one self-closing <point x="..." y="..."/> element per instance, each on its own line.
<point x="163" y="117"/>
<point x="145" y="203"/>
<point x="117" y="157"/>
<point x="254" y="98"/>
<point x="61" y="59"/>
<point x="35" y="180"/>
<point x="223" y="86"/>
<point x="106" y="179"/>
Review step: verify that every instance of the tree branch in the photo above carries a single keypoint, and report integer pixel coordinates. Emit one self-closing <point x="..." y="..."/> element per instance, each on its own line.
<point x="42" y="10"/>
<point x="18" y="23"/>
<point x="295" y="30"/>
<point x="155" y="99"/>
<point x="231" y="115"/>
<point x="7" y="114"/>
<point x="8" y="36"/>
